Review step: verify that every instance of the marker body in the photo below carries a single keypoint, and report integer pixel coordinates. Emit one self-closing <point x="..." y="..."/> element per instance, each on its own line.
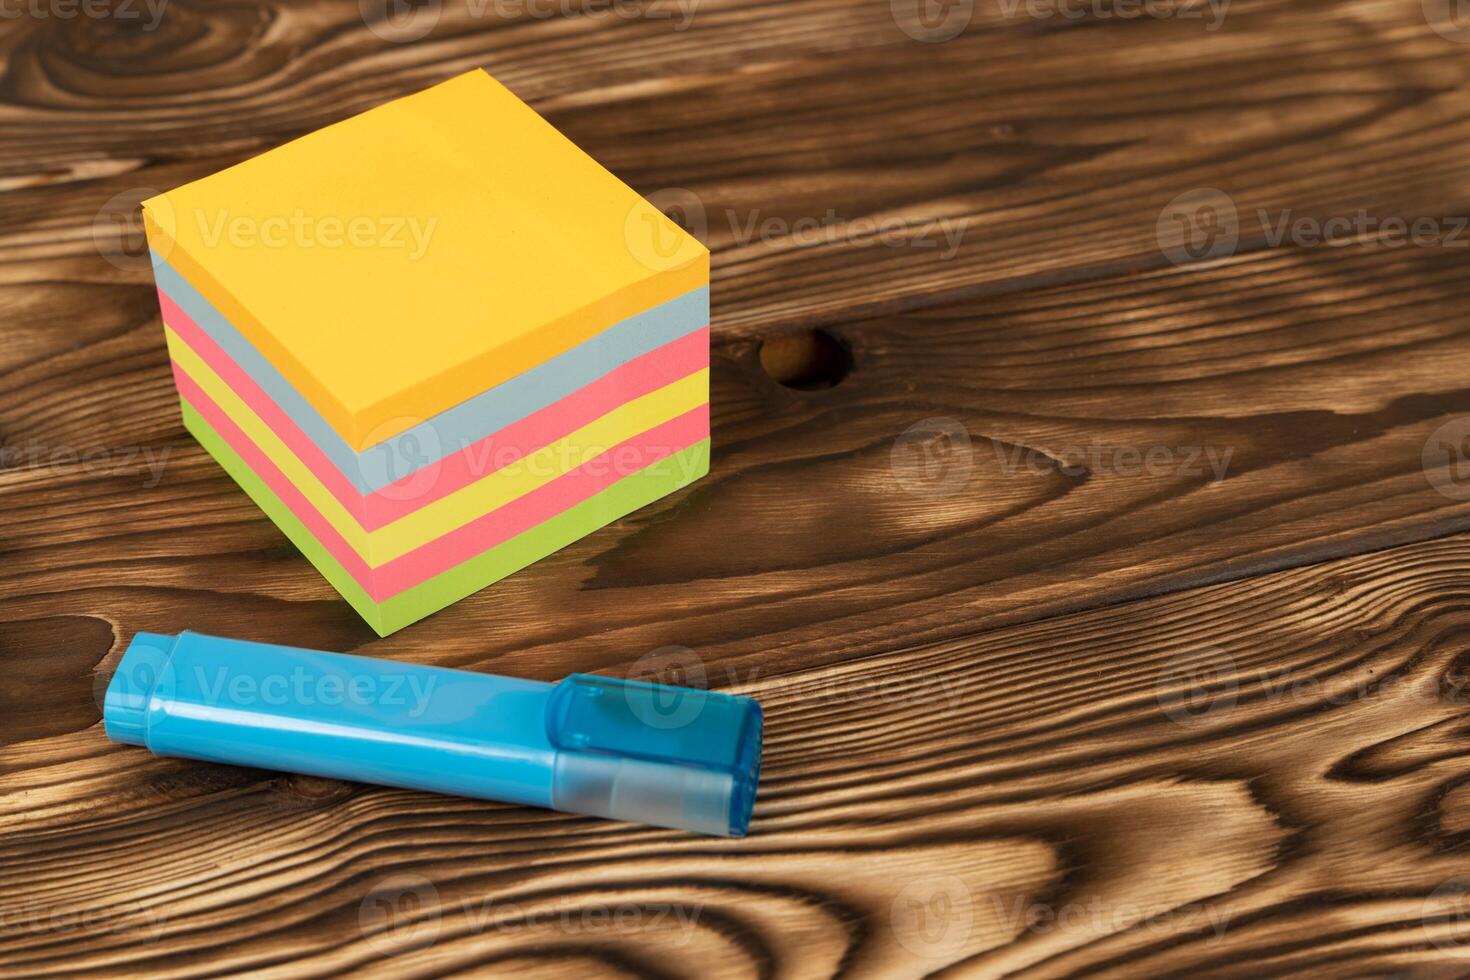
<point x="668" y="756"/>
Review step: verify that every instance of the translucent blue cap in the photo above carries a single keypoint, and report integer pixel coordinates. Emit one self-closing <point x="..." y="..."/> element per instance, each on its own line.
<point x="670" y="756"/>
<point x="125" y="707"/>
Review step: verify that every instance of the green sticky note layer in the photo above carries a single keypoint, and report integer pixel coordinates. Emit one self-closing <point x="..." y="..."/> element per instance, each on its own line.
<point x="619" y="500"/>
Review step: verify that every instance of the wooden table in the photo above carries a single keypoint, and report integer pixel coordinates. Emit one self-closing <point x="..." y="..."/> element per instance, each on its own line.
<point x="1091" y="529"/>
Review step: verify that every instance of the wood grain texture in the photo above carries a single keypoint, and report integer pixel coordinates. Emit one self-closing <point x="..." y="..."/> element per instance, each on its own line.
<point x="1269" y="771"/>
<point x="1000" y="136"/>
<point x="1108" y="614"/>
<point x="1093" y="423"/>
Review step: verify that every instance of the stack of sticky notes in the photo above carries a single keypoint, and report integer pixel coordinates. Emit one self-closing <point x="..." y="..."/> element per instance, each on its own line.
<point x="435" y="342"/>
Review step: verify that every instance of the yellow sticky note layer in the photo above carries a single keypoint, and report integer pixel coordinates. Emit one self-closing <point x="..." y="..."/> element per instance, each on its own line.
<point x="400" y="262"/>
<point x="448" y="513"/>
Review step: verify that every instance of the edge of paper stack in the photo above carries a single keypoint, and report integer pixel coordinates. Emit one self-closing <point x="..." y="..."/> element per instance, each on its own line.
<point x="441" y="450"/>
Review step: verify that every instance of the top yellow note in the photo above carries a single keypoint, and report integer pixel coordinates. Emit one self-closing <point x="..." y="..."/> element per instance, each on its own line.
<point x="402" y="261"/>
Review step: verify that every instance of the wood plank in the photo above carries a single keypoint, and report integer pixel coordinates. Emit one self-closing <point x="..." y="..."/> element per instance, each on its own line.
<point x="1269" y="771"/>
<point x="989" y="144"/>
<point x="1090" y="424"/>
<point x="954" y="578"/>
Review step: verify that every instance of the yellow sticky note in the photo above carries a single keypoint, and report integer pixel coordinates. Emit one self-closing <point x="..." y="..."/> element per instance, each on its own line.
<point x="402" y="261"/>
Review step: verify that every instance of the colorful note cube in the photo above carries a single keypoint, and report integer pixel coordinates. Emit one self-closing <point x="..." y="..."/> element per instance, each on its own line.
<point x="435" y="343"/>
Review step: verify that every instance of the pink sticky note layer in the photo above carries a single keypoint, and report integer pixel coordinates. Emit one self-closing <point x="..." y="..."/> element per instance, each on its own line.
<point x="481" y="534"/>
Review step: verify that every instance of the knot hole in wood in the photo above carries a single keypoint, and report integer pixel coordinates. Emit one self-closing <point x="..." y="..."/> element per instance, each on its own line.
<point x="808" y="360"/>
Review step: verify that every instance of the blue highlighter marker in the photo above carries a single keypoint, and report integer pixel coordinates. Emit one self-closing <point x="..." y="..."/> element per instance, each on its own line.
<point x="648" y="753"/>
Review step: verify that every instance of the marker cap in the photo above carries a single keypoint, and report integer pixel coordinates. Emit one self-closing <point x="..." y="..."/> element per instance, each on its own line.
<point x="125" y="706"/>
<point x="655" y="754"/>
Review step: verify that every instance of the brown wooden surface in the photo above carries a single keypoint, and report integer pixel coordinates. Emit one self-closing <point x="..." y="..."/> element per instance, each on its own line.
<point x="1038" y="702"/>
